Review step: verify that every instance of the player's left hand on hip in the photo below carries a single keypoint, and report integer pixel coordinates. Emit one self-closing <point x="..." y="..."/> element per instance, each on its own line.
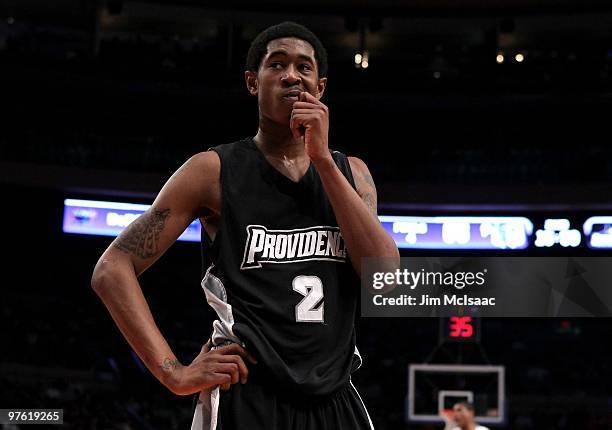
<point x="310" y="123"/>
<point x="207" y="348"/>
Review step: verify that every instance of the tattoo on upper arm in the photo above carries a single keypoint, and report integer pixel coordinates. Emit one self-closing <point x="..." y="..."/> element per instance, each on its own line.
<point x="370" y="202"/>
<point x="368" y="195"/>
<point x="141" y="237"/>
<point x="368" y="179"/>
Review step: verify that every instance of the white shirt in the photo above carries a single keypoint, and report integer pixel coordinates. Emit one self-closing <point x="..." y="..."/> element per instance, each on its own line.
<point x="477" y="428"/>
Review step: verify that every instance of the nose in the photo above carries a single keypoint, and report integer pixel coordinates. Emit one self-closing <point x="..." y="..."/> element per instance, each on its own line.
<point x="291" y="76"/>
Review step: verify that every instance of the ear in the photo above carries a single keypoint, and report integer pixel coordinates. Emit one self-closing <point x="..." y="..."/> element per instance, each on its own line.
<point x="321" y="86"/>
<point x="251" y="82"/>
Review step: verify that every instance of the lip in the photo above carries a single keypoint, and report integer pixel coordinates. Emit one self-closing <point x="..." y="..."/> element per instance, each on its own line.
<point x="293" y="95"/>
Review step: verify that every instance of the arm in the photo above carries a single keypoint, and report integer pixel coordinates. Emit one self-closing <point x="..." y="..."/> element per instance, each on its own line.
<point x="189" y="193"/>
<point x="355" y="210"/>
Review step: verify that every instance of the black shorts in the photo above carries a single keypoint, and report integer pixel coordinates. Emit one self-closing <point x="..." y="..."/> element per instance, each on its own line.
<point x="258" y="406"/>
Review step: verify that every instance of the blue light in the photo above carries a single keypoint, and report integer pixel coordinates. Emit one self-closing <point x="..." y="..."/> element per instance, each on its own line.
<point x="102" y="218"/>
<point x="458" y="232"/>
<point x="598" y="230"/>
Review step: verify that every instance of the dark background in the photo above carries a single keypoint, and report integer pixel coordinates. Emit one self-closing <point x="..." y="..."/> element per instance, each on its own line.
<point x="105" y="100"/>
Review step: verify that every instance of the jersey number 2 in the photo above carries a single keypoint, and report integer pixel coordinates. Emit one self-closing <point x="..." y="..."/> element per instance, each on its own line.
<point x="311" y="288"/>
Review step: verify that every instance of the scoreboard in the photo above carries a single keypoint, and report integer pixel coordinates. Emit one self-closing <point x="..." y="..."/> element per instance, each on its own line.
<point x="418" y="232"/>
<point x="536" y="231"/>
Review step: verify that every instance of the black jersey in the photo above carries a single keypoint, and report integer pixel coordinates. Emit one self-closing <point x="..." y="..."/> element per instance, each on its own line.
<point x="280" y="279"/>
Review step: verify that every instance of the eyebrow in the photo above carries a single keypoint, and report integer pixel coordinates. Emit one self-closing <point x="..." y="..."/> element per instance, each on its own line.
<point x="285" y="53"/>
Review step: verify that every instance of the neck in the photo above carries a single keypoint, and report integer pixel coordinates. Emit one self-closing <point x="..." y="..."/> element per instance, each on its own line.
<point x="471" y="426"/>
<point x="275" y="139"/>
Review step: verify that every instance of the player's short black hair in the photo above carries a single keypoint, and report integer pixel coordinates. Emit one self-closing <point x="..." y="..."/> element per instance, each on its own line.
<point x="467" y="405"/>
<point x="259" y="46"/>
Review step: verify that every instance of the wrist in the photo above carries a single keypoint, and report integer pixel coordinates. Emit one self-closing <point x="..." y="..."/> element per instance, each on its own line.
<point x="170" y="373"/>
<point x="324" y="164"/>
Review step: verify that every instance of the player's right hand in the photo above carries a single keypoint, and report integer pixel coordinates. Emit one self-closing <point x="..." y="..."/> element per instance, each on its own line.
<point x="222" y="366"/>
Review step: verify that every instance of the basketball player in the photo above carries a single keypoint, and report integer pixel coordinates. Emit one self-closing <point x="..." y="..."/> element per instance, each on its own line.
<point x="286" y="222"/>
<point x="462" y="418"/>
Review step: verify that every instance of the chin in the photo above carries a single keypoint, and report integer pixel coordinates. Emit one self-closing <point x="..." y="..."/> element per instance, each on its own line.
<point x="279" y="114"/>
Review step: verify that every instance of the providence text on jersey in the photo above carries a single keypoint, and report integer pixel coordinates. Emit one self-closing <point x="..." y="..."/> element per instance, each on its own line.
<point x="287" y="246"/>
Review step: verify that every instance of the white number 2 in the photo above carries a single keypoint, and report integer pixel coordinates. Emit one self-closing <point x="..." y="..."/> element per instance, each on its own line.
<point x="311" y="288"/>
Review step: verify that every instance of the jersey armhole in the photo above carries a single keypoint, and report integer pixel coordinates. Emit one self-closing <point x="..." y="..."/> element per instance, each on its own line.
<point x="209" y="245"/>
<point x="344" y="166"/>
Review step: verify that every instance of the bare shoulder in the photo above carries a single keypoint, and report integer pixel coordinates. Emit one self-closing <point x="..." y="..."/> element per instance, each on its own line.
<point x="196" y="184"/>
<point x="202" y="169"/>
<point x="204" y="164"/>
<point x="361" y="173"/>
<point x="357" y="164"/>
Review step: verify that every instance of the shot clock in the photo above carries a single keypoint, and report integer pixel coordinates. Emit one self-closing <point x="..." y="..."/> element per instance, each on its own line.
<point x="460" y="329"/>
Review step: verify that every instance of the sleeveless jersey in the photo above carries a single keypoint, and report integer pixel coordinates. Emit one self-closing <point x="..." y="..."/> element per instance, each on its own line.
<point x="279" y="277"/>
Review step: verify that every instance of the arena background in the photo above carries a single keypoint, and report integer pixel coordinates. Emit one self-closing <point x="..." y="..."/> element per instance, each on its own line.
<point x="103" y="100"/>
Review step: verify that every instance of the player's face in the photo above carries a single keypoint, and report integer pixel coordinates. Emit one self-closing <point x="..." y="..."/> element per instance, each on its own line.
<point x="288" y="68"/>
<point x="462" y="415"/>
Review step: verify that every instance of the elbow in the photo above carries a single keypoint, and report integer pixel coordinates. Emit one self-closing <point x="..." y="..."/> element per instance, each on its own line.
<point x="392" y="251"/>
<point x="112" y="270"/>
<point x="104" y="274"/>
<point x="391" y="261"/>
<point x="99" y="277"/>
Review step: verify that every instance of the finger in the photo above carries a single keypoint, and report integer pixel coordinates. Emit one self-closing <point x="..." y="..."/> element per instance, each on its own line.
<point x="304" y="120"/>
<point x="294" y="125"/>
<point x="225" y="381"/>
<point x="206" y="347"/>
<point x="307" y="105"/>
<point x="229" y="368"/>
<point x="234" y="349"/>
<point x="305" y="96"/>
<point x="242" y="368"/>
<point x="298" y="126"/>
<point x="305" y="111"/>
<point x="310" y="98"/>
<point x="219" y="379"/>
<point x="306" y="116"/>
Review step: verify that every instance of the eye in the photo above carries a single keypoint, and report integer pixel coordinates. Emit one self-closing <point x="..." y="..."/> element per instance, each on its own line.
<point x="306" y="66"/>
<point x="276" y="65"/>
